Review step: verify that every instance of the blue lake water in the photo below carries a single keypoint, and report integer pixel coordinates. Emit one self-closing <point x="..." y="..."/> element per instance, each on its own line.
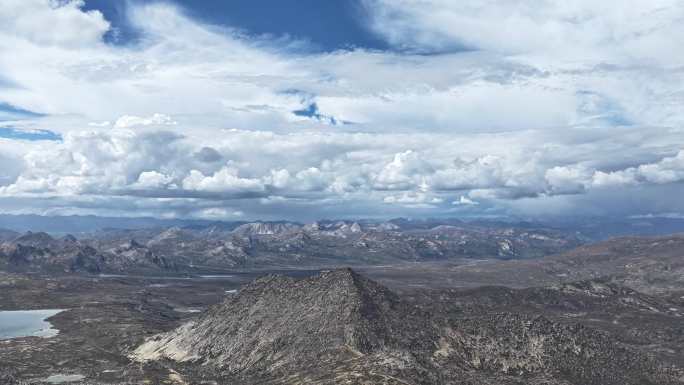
<point x="26" y="323"/>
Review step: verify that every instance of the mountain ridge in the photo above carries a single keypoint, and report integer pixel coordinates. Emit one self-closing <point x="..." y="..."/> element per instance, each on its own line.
<point x="344" y="324"/>
<point x="278" y="244"/>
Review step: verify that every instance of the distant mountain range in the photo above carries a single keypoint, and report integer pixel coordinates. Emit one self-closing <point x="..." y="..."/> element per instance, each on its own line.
<point x="152" y="245"/>
<point x="598" y="228"/>
<point x="273" y="244"/>
<point x="652" y="265"/>
<point x="78" y="224"/>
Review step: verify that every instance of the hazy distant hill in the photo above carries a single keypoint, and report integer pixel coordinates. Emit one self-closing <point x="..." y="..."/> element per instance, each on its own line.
<point x="647" y="264"/>
<point x="76" y="224"/>
<point x="129" y="244"/>
<point x="274" y="244"/>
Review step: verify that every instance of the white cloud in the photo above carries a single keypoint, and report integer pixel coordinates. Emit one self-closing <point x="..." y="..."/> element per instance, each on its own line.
<point x="156" y="119"/>
<point x="483" y="172"/>
<point x="51" y="23"/>
<point x="418" y="200"/>
<point x="667" y="170"/>
<point x="576" y="30"/>
<point x="226" y="180"/>
<point x="152" y="179"/>
<point x="404" y="172"/>
<point x="557" y="100"/>
<point x="464" y="201"/>
<point x="218" y="213"/>
<point x="567" y="180"/>
<point x="279" y="178"/>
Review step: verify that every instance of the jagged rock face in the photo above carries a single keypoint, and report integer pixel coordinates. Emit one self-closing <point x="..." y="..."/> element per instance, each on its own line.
<point x="524" y="346"/>
<point x="340" y="325"/>
<point x="388" y="226"/>
<point x="326" y="243"/>
<point x="278" y="244"/>
<point x="38" y="240"/>
<point x="173" y="236"/>
<point x="134" y="255"/>
<point x="265" y="228"/>
<point x="567" y="297"/>
<point x="41" y="252"/>
<point x="20" y="255"/>
<point x="278" y="322"/>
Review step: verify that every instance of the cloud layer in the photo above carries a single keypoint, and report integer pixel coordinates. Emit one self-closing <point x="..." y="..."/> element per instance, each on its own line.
<point x="522" y="108"/>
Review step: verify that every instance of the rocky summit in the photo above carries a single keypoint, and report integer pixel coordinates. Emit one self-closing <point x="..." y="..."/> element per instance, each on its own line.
<point x="340" y="327"/>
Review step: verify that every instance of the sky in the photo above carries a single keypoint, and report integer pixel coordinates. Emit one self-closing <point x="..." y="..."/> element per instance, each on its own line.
<point x="306" y="109"/>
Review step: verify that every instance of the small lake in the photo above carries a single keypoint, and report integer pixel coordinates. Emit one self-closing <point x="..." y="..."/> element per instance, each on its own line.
<point x="27" y="323"/>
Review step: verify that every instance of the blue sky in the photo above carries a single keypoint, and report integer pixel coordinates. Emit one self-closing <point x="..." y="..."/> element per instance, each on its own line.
<point x="329" y="109"/>
<point x="13" y="133"/>
<point x="9" y="113"/>
<point x="325" y="25"/>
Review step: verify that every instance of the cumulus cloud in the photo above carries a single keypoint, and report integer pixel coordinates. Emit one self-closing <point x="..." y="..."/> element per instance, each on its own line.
<point x="152" y="180"/>
<point x="224" y="180"/>
<point x="464" y="201"/>
<point x="567" y="180"/>
<point x="667" y="170"/>
<point x="414" y="200"/>
<point x="218" y="213"/>
<point x="156" y="119"/>
<point x="579" y="30"/>
<point x="518" y="106"/>
<point x="403" y="172"/>
<point x="68" y="25"/>
<point x="208" y="155"/>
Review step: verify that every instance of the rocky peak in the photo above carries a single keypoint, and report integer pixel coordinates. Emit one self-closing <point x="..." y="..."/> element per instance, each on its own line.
<point x="388" y="226"/>
<point x="38" y="239"/>
<point x="315" y="226"/>
<point x="346" y="323"/>
<point x="132" y="245"/>
<point x="343" y="287"/>
<point x="171" y="235"/>
<point x="279" y="321"/>
<point x="265" y="228"/>
<point x="339" y="229"/>
<point x="171" y="232"/>
<point x="20" y="254"/>
<point x="69" y="239"/>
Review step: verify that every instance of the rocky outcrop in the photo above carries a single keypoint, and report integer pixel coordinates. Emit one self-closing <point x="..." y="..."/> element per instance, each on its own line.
<point x="37" y="240"/>
<point x="287" y="244"/>
<point x="41" y="252"/>
<point x="348" y="326"/>
<point x="266" y="228"/>
<point x="278" y="322"/>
